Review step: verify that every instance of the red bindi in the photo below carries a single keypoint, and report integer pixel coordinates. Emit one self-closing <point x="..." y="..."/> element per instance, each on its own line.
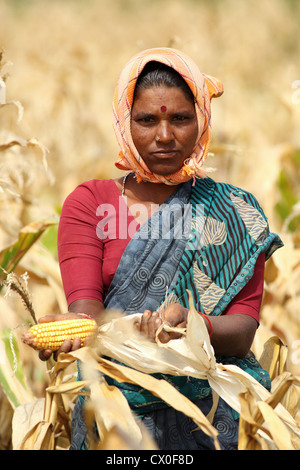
<point x="163" y="109"/>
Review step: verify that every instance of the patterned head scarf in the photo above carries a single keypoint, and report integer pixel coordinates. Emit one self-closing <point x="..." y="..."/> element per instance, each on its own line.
<point x="203" y="87"/>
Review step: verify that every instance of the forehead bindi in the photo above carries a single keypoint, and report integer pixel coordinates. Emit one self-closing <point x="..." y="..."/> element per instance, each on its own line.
<point x="163" y="99"/>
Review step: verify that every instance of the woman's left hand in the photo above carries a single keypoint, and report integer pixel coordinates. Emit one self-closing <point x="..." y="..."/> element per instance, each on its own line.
<point x="174" y="315"/>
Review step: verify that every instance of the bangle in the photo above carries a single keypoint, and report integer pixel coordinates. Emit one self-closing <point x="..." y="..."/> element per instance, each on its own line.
<point x="84" y="315"/>
<point x="209" y="322"/>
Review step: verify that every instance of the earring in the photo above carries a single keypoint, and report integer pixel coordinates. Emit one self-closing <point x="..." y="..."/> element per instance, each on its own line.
<point x="157" y="138"/>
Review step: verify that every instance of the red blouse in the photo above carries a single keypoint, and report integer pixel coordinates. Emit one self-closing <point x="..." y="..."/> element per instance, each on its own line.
<point x="89" y="251"/>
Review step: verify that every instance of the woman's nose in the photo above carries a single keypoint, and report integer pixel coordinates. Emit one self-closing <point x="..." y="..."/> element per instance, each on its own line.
<point x="165" y="132"/>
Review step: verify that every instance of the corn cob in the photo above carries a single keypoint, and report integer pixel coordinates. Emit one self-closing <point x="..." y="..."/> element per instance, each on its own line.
<point x="52" y="334"/>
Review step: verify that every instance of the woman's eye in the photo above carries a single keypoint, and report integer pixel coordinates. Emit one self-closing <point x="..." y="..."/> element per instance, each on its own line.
<point x="147" y="119"/>
<point x="180" y="117"/>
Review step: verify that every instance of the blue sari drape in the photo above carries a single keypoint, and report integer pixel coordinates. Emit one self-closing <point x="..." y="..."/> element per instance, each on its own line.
<point x="205" y="238"/>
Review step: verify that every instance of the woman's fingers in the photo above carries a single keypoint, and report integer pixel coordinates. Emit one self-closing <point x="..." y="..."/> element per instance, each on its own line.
<point x="45" y="354"/>
<point x="166" y="336"/>
<point x="153" y="325"/>
<point x="66" y="347"/>
<point x="175" y="315"/>
<point x="150" y="322"/>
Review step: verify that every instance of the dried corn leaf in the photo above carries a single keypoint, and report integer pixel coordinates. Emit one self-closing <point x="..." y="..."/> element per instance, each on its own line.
<point x="111" y="409"/>
<point x="40" y="437"/>
<point x="67" y="387"/>
<point x="252" y="435"/>
<point x="115" y="438"/>
<point x="262" y="426"/>
<point x="26" y="418"/>
<point x="45" y="423"/>
<point x="281" y="392"/>
<point x="4" y="103"/>
<point x="277" y="429"/>
<point x="290" y="399"/>
<point x="28" y="143"/>
<point x="273" y="357"/>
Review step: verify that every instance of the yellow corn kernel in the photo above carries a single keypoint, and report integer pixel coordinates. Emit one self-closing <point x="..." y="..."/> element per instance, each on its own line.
<point x="52" y="334"/>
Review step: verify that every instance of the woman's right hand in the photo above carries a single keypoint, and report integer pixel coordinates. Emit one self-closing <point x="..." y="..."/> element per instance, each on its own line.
<point x="67" y="345"/>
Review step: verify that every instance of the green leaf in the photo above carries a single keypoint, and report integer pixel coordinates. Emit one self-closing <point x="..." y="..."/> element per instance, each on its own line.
<point x="49" y="240"/>
<point x="12" y="377"/>
<point x="12" y="254"/>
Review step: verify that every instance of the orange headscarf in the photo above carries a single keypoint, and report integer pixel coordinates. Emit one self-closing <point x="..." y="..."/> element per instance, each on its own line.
<point x="203" y="87"/>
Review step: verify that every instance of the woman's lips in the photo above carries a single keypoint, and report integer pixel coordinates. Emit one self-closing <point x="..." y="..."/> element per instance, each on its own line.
<point x="165" y="154"/>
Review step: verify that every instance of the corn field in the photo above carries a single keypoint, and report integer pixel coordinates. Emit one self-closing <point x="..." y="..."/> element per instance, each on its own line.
<point x="59" y="63"/>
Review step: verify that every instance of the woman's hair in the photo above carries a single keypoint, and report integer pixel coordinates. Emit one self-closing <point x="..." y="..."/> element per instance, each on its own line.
<point x="156" y="74"/>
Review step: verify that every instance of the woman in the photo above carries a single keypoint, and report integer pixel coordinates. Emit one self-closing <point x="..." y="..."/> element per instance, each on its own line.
<point x="139" y="242"/>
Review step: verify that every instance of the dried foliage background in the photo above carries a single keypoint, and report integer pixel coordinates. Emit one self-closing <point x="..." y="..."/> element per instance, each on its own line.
<point x="60" y="63"/>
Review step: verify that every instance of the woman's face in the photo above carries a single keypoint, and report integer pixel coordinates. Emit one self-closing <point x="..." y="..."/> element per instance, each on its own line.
<point x="168" y="115"/>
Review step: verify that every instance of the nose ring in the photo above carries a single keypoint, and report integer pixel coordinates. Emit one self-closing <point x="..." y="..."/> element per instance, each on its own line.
<point x="157" y="138"/>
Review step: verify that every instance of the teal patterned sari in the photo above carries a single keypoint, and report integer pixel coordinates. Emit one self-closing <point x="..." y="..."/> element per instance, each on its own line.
<point x="206" y="238"/>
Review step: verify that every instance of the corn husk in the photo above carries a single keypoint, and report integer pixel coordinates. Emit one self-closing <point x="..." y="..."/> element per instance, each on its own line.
<point x="193" y="356"/>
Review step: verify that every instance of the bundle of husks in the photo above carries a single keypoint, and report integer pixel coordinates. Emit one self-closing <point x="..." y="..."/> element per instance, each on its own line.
<point x="267" y="421"/>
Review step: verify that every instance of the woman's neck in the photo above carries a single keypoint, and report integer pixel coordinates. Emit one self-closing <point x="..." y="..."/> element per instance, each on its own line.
<point x="145" y="191"/>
